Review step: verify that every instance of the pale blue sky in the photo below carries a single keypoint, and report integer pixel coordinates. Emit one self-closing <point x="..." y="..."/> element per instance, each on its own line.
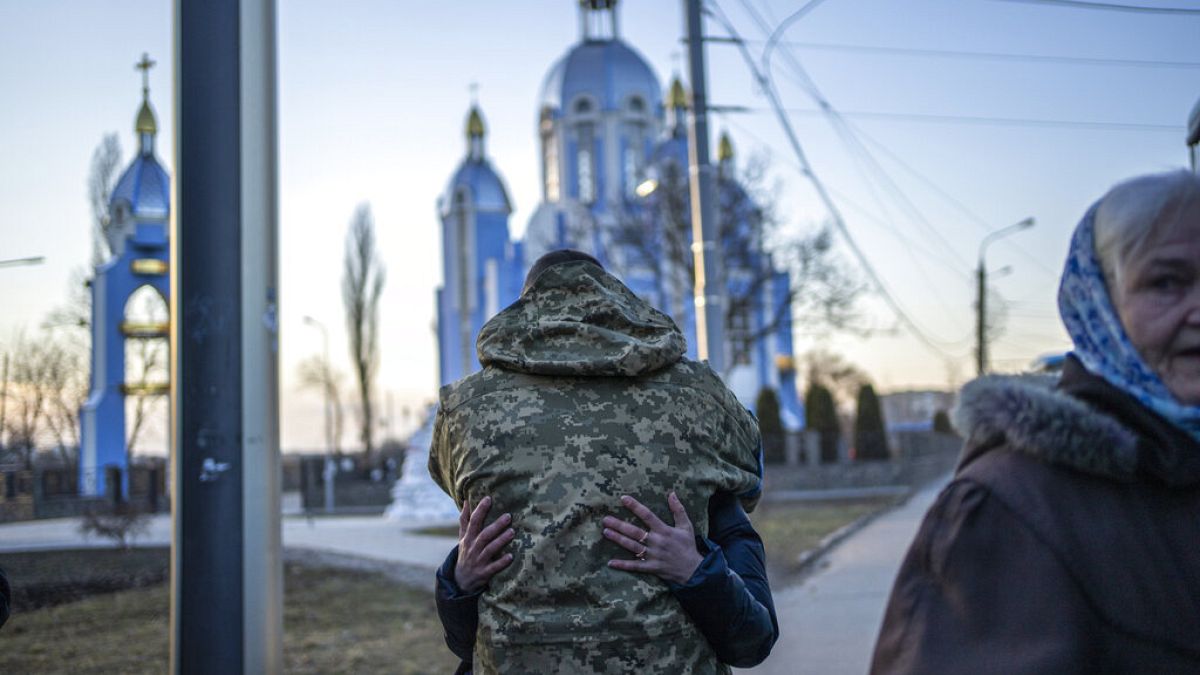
<point x="373" y="97"/>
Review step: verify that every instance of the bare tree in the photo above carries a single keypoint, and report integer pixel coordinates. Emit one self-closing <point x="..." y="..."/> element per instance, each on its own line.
<point x="74" y="317"/>
<point x="33" y="365"/>
<point x="46" y="386"/>
<point x="102" y="177"/>
<point x="149" y="366"/>
<point x="65" y="382"/>
<point x="314" y="373"/>
<point x="656" y="234"/>
<point x="841" y="377"/>
<point x="362" y="283"/>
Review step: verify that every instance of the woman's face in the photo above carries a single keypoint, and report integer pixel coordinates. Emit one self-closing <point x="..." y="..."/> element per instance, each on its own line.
<point x="1158" y="301"/>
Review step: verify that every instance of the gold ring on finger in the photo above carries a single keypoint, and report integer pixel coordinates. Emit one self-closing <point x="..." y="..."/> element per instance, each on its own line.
<point x="641" y="555"/>
<point x="644" y="538"/>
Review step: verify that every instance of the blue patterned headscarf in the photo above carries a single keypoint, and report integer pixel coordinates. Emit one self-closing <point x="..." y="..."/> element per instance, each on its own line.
<point x="1100" y="341"/>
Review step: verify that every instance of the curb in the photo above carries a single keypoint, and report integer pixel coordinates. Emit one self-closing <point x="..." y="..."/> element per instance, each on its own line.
<point x="405" y="574"/>
<point x="806" y="562"/>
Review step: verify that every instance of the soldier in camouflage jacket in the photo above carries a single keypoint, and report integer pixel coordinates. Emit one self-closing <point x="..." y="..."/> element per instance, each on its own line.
<point x="585" y="396"/>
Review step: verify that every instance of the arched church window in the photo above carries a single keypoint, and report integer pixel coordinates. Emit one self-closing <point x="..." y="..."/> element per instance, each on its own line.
<point x="634" y="161"/>
<point x="583" y="106"/>
<point x="636" y="104"/>
<point x="550" y="169"/>
<point x="739" y="334"/>
<point x="147" y="370"/>
<point x="585" y="163"/>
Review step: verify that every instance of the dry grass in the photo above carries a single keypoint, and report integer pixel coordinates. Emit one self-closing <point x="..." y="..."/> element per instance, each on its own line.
<point x="335" y="621"/>
<point x="791" y="528"/>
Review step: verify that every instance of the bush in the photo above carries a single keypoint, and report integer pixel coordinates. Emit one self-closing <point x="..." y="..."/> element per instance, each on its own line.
<point x="770" y="425"/>
<point x="820" y="415"/>
<point x="121" y="522"/>
<point x="49" y="578"/>
<point x="941" y="423"/>
<point x="870" y="436"/>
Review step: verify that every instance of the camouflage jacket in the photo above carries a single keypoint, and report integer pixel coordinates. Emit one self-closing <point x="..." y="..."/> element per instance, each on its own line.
<point x="584" y="396"/>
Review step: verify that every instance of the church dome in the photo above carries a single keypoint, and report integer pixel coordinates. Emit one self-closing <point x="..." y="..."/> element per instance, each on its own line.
<point x="145" y="123"/>
<point x="475" y="177"/>
<point x="145" y="189"/>
<point x="609" y="71"/>
<point x="475" y="126"/>
<point x="482" y="186"/>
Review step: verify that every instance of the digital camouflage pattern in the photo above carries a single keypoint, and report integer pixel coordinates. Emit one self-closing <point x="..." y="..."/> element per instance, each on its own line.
<point x="584" y="396"/>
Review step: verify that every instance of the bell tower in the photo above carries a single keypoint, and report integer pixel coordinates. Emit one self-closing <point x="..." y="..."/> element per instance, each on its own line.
<point x="137" y="268"/>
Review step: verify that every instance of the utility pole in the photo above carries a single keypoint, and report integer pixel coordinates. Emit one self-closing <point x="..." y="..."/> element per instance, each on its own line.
<point x="226" y="564"/>
<point x="981" y="339"/>
<point x="1193" y="137"/>
<point x="3" y="400"/>
<point x="981" y="318"/>
<point x="709" y="292"/>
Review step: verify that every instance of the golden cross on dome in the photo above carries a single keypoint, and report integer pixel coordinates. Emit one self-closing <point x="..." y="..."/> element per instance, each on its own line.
<point x="145" y="65"/>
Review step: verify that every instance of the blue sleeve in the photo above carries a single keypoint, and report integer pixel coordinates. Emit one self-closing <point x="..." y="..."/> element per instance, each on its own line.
<point x="458" y="611"/>
<point x="749" y="498"/>
<point x="5" y="597"/>
<point x="728" y="596"/>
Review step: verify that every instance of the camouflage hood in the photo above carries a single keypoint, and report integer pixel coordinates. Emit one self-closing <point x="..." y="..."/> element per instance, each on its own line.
<point x="576" y="319"/>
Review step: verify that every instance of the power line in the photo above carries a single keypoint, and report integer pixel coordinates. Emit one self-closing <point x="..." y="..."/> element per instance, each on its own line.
<point x="953" y="201"/>
<point x="864" y="160"/>
<point x="839" y="223"/>
<point x="849" y="137"/>
<point x="981" y="119"/>
<point x="988" y="56"/>
<point x="1140" y="9"/>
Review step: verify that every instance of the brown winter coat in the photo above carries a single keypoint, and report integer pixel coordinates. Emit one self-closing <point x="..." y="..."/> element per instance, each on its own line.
<point x="1068" y="541"/>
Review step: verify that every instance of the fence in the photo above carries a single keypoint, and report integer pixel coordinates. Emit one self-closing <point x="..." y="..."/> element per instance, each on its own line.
<point x="359" y="490"/>
<point x="917" y="457"/>
<point x="53" y="492"/>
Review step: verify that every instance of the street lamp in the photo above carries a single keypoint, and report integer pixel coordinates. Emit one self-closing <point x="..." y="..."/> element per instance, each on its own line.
<point x="981" y="361"/>
<point x="330" y="468"/>
<point x="34" y="260"/>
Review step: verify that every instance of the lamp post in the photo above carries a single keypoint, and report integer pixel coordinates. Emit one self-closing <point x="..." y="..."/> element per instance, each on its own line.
<point x="16" y="262"/>
<point x="981" y="359"/>
<point x="330" y="468"/>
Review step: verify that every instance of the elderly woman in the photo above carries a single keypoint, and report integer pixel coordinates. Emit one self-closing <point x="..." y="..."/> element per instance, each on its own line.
<point x="1069" y="539"/>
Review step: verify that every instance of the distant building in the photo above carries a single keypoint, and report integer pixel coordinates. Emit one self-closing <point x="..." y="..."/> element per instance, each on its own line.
<point x="914" y="410"/>
<point x="613" y="154"/>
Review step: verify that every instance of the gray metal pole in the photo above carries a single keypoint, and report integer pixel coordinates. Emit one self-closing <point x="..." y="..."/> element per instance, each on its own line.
<point x="226" y="576"/>
<point x="981" y="339"/>
<point x="327" y="473"/>
<point x="981" y="319"/>
<point x="706" y="247"/>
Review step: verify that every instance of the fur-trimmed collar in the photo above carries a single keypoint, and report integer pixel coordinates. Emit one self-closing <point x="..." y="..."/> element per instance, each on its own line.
<point x="1028" y="415"/>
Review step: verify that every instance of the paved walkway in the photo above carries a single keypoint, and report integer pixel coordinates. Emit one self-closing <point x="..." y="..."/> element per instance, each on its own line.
<point x="828" y="623"/>
<point x="365" y="536"/>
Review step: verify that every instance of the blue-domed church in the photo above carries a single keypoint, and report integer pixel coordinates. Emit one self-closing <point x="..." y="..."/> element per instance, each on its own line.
<point x="614" y="184"/>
